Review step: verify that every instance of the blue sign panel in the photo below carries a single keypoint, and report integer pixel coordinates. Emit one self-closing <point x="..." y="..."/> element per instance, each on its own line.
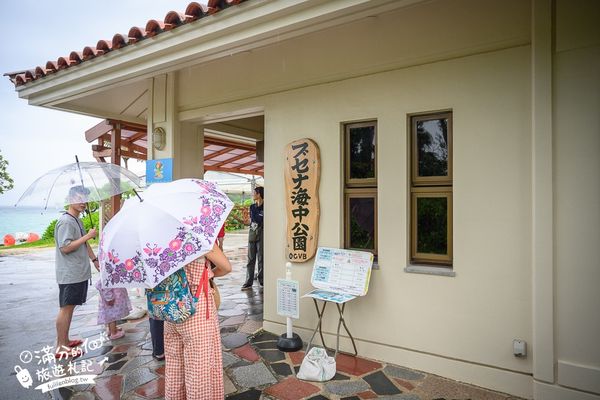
<point x="159" y="170"/>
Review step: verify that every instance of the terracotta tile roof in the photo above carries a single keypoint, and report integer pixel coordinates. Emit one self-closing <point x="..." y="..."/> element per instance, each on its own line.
<point x="173" y="19"/>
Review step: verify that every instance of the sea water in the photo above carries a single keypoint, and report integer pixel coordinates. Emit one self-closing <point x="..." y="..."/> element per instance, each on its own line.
<point x="25" y="219"/>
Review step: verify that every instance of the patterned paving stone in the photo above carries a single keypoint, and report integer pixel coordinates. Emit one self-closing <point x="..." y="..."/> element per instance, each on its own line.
<point x="228" y="385"/>
<point x="113" y="357"/>
<point x="116" y="366"/>
<point x="229" y="359"/>
<point x="380" y="384"/>
<point x="350" y="398"/>
<point x="246" y="352"/>
<point x="438" y="387"/>
<point x="109" y="388"/>
<point x="95" y="353"/>
<point x="235" y="320"/>
<point x="282" y="369"/>
<point x="136" y="378"/>
<point x="122" y="348"/>
<point x="340" y="377"/>
<point x="404" y="396"/>
<point x="228" y="329"/>
<point x="266" y="345"/>
<point x="234" y="340"/>
<point x="346" y="388"/>
<point x="232" y="312"/>
<point x="160" y="370"/>
<point x="319" y="397"/>
<point x="251" y="394"/>
<point x="296" y="357"/>
<point x="367" y="395"/>
<point x="83" y="396"/>
<point x="153" y="389"/>
<point x="272" y="355"/>
<point x="263" y="336"/>
<point x="356" y="366"/>
<point x="136" y="362"/>
<point x="252" y="375"/>
<point x="405" y="384"/>
<point x="292" y="389"/>
<point x="402" y="373"/>
<point x="250" y="327"/>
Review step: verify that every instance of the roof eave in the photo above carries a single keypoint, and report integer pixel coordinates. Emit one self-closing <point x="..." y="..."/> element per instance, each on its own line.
<point x="249" y="25"/>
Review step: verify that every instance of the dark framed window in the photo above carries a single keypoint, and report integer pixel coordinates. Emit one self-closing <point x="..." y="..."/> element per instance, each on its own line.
<point x="431" y="189"/>
<point x="360" y="186"/>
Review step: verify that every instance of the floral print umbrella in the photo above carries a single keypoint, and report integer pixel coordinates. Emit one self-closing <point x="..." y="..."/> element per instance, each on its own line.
<point x="149" y="240"/>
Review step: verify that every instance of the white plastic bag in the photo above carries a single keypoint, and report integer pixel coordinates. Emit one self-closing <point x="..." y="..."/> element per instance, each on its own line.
<point x="317" y="366"/>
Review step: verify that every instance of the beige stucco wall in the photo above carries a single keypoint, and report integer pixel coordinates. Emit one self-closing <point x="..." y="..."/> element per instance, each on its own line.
<point x="462" y="326"/>
<point x="577" y="193"/>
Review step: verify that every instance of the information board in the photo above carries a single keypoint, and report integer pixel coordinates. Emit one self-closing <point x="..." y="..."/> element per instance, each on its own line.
<point x="288" y="299"/>
<point x="342" y="271"/>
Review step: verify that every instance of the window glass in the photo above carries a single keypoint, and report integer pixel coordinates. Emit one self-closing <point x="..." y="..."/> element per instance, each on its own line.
<point x="362" y="222"/>
<point x="432" y="225"/>
<point x="432" y="147"/>
<point x="362" y="152"/>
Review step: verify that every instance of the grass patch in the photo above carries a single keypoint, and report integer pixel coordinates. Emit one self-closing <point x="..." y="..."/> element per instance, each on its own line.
<point x="42" y="243"/>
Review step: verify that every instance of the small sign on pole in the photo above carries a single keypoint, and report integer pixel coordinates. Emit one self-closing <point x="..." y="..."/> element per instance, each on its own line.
<point x="288" y="299"/>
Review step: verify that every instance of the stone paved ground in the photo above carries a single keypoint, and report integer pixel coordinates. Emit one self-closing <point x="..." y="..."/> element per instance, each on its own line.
<point x="253" y="367"/>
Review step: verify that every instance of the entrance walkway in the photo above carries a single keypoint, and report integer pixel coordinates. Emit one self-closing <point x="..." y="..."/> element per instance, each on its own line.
<point x="253" y="367"/>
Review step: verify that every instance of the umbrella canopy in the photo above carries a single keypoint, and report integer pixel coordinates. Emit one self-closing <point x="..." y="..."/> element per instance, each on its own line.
<point x="102" y="180"/>
<point x="149" y="240"/>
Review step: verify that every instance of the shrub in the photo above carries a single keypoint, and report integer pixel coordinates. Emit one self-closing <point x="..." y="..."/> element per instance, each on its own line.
<point x="49" y="232"/>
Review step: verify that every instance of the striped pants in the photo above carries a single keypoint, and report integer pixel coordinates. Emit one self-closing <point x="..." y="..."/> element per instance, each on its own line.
<point x="194" y="364"/>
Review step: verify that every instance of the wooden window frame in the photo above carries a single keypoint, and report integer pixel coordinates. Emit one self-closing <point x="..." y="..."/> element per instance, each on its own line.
<point x="430" y="258"/>
<point x="430" y="186"/>
<point x="364" y="193"/>
<point x="357" y="182"/>
<point x="429" y="180"/>
<point x="358" y="188"/>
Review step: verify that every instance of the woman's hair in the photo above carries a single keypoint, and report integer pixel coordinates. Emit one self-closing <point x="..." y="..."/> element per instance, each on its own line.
<point x="261" y="191"/>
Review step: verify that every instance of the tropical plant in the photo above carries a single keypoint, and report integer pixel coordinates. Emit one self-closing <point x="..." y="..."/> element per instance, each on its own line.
<point x="6" y="182"/>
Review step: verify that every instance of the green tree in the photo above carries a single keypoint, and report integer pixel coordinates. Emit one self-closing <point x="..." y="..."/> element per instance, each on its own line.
<point x="6" y="182"/>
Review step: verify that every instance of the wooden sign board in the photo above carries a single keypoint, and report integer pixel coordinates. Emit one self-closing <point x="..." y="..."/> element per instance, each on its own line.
<point x="302" y="175"/>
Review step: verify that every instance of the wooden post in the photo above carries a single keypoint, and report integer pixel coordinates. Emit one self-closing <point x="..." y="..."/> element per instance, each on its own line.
<point x="115" y="158"/>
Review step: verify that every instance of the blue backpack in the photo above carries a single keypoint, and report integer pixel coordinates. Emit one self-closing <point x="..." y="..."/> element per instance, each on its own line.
<point x="171" y="300"/>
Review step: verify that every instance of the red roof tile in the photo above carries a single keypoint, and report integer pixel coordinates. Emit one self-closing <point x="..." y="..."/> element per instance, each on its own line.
<point x="153" y="27"/>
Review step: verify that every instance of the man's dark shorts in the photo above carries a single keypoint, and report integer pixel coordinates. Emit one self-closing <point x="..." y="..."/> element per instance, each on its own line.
<point x="72" y="294"/>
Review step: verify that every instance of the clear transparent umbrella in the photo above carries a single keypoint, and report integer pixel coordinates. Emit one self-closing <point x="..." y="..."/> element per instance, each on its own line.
<point x="103" y="180"/>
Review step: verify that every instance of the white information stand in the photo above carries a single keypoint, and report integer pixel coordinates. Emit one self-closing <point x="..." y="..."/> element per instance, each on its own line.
<point x="339" y="276"/>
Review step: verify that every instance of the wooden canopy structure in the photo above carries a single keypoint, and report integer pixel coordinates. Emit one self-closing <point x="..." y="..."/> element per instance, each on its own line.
<point x="116" y="139"/>
<point x="121" y="139"/>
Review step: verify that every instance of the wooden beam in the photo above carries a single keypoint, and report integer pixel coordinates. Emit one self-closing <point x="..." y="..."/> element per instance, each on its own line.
<point x="115" y="158"/>
<point x="236" y="170"/>
<point x="232" y="159"/>
<point x="227" y="143"/>
<point x="135" y="137"/>
<point x="98" y="130"/>
<point x="129" y="126"/>
<point x="246" y="164"/>
<point x="100" y="151"/>
<point x="218" y="153"/>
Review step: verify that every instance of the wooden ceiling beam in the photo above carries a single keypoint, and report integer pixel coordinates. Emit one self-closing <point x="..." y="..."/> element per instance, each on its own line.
<point x="218" y="153"/>
<point x="226" y="143"/>
<point x="232" y="159"/>
<point x="235" y="170"/>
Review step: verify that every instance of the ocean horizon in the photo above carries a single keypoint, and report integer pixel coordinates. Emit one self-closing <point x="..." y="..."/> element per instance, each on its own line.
<point x="25" y="219"/>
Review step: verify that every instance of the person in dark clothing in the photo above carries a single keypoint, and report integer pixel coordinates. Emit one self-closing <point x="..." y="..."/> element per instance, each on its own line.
<point x="255" y="240"/>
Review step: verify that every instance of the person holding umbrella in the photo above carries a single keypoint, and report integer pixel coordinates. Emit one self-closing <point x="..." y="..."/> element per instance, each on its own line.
<point x="73" y="255"/>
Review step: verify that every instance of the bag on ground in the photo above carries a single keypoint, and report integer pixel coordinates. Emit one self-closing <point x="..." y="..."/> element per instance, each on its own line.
<point x="317" y="366"/>
<point x="171" y="300"/>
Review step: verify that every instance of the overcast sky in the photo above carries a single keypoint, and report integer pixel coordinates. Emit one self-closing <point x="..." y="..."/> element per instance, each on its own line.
<point x="33" y="139"/>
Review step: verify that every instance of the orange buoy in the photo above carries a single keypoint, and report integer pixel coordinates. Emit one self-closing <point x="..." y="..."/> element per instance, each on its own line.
<point x="9" y="240"/>
<point x="32" y="237"/>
